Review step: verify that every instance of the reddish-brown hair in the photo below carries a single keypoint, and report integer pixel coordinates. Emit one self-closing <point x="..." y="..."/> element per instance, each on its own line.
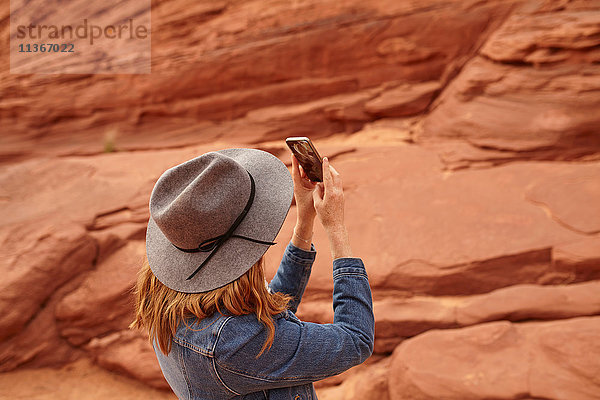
<point x="160" y="309"/>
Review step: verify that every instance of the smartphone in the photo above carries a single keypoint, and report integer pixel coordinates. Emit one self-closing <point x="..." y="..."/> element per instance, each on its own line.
<point x="308" y="157"/>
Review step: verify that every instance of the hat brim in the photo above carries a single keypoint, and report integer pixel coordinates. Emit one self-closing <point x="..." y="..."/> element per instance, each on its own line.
<point x="272" y="201"/>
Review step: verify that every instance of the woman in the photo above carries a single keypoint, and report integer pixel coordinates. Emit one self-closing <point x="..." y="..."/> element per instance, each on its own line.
<point x="218" y="329"/>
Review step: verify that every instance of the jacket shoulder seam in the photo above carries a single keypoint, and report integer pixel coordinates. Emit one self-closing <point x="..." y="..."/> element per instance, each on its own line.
<point x="218" y="335"/>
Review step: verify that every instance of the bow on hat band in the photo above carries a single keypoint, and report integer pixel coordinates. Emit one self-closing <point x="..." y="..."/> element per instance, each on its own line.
<point x="215" y="243"/>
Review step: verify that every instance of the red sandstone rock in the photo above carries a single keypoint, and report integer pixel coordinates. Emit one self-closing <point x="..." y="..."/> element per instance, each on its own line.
<point x="368" y="382"/>
<point x="416" y="193"/>
<point x="81" y="380"/>
<point x="403" y="100"/>
<point x="528" y="302"/>
<point x="102" y="302"/>
<point x="442" y="248"/>
<point x="37" y="259"/>
<point x="309" y="118"/>
<point x="458" y="154"/>
<point x="581" y="187"/>
<point x="45" y="243"/>
<point x="500" y="100"/>
<point x="397" y="319"/>
<point x="429" y="232"/>
<point x="546" y="38"/>
<point x="235" y="58"/>
<point x="580" y="259"/>
<point x="513" y="115"/>
<point x="555" y="360"/>
<point x="128" y="352"/>
<point x="39" y="343"/>
<point x="46" y="246"/>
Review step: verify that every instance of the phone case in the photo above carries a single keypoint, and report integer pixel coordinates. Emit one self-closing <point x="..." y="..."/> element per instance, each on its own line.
<point x="307" y="156"/>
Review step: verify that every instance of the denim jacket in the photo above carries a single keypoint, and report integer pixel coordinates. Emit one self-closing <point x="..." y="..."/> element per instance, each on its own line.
<point x="215" y="358"/>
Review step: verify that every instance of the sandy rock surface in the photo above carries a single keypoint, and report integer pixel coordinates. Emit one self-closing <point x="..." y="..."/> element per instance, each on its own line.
<point x="466" y="134"/>
<point x="549" y="360"/>
<point x="80" y="380"/>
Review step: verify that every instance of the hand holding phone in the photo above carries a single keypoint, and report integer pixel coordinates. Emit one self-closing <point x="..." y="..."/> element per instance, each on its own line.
<point x="307" y="156"/>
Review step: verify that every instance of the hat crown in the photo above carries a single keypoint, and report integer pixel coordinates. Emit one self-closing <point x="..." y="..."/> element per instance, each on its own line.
<point x="199" y="199"/>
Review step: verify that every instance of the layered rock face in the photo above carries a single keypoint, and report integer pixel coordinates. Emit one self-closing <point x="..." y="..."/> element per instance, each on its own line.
<point x="467" y="137"/>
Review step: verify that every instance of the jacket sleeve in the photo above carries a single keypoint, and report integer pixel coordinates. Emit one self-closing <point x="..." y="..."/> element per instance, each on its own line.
<point x="302" y="352"/>
<point x="293" y="273"/>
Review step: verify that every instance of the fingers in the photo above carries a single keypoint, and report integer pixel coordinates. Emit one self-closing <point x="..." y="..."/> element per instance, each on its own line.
<point x="294" y="164"/>
<point x="299" y="177"/>
<point x="302" y="173"/>
<point x="319" y="193"/>
<point x="297" y="169"/>
<point x="327" y="175"/>
<point x="337" y="180"/>
<point x="331" y="177"/>
<point x="328" y="198"/>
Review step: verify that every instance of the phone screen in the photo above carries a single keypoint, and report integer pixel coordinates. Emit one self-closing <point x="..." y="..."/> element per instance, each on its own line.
<point x="307" y="156"/>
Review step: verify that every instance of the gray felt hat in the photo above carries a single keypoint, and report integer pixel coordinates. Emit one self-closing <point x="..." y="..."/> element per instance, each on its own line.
<point x="213" y="217"/>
